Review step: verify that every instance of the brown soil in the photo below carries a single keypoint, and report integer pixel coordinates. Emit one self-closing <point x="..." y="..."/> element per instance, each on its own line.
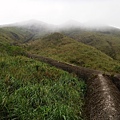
<point x="103" y="99"/>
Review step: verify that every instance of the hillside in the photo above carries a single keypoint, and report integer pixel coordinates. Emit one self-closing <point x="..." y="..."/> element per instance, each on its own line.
<point x="31" y="89"/>
<point x="106" y="40"/>
<point x="63" y="48"/>
<point x="31" y="86"/>
<point x="14" y="35"/>
<point x="24" y="32"/>
<point x="67" y="46"/>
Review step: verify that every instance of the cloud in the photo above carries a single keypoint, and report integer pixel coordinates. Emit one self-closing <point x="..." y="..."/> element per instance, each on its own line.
<point x="59" y="11"/>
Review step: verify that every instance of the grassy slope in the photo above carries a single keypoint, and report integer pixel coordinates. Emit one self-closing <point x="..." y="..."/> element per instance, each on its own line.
<point x="63" y="48"/>
<point x="13" y="34"/>
<point x="69" y="50"/>
<point x="108" y="42"/>
<point x="33" y="90"/>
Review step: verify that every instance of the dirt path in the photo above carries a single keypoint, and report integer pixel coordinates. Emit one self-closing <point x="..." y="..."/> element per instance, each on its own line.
<point x="82" y="72"/>
<point x="102" y="97"/>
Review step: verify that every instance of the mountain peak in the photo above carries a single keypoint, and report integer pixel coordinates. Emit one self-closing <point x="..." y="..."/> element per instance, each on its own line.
<point x="30" y="22"/>
<point x="54" y="36"/>
<point x="72" y="24"/>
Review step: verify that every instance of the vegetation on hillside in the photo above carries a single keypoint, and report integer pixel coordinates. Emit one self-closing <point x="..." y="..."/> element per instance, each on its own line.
<point x="10" y="49"/>
<point x="106" y="41"/>
<point x="14" y="35"/>
<point x="31" y="89"/>
<point x="63" y="48"/>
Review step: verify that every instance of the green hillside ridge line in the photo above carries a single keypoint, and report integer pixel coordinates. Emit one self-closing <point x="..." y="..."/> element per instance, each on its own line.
<point x="109" y="43"/>
<point x="65" y="49"/>
<point x="61" y="47"/>
<point x="14" y="34"/>
<point x="99" y="39"/>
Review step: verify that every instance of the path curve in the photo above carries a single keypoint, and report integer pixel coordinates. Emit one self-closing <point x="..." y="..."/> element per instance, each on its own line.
<point x="102" y="97"/>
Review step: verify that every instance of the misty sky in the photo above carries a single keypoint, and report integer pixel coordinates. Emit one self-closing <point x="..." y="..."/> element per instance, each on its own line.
<point x="60" y="11"/>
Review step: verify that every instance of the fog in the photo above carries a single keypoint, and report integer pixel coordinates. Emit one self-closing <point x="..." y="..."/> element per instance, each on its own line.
<point x="97" y="12"/>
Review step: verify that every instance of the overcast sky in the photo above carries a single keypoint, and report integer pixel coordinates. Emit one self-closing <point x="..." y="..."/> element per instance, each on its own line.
<point x="60" y="11"/>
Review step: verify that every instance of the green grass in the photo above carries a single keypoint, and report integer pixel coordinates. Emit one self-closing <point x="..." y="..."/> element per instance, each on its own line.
<point x="108" y="42"/>
<point x="104" y="55"/>
<point x="32" y="90"/>
<point x="63" y="48"/>
<point x="8" y="49"/>
<point x="14" y="34"/>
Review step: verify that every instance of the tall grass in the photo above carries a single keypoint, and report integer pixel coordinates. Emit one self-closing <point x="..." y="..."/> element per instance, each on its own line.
<point x="32" y="90"/>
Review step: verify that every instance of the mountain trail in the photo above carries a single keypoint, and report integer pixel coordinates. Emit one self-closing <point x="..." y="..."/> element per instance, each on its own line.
<point x="102" y="96"/>
<point x="103" y="99"/>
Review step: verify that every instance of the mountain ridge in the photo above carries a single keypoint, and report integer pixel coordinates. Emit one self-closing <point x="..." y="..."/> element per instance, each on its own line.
<point x="61" y="47"/>
<point x="70" y="23"/>
<point x="106" y="42"/>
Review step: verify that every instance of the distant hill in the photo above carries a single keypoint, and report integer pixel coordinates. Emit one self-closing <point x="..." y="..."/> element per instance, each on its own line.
<point x="25" y="31"/>
<point x="63" y="48"/>
<point x="67" y="42"/>
<point x="14" y="34"/>
<point x="106" y="39"/>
